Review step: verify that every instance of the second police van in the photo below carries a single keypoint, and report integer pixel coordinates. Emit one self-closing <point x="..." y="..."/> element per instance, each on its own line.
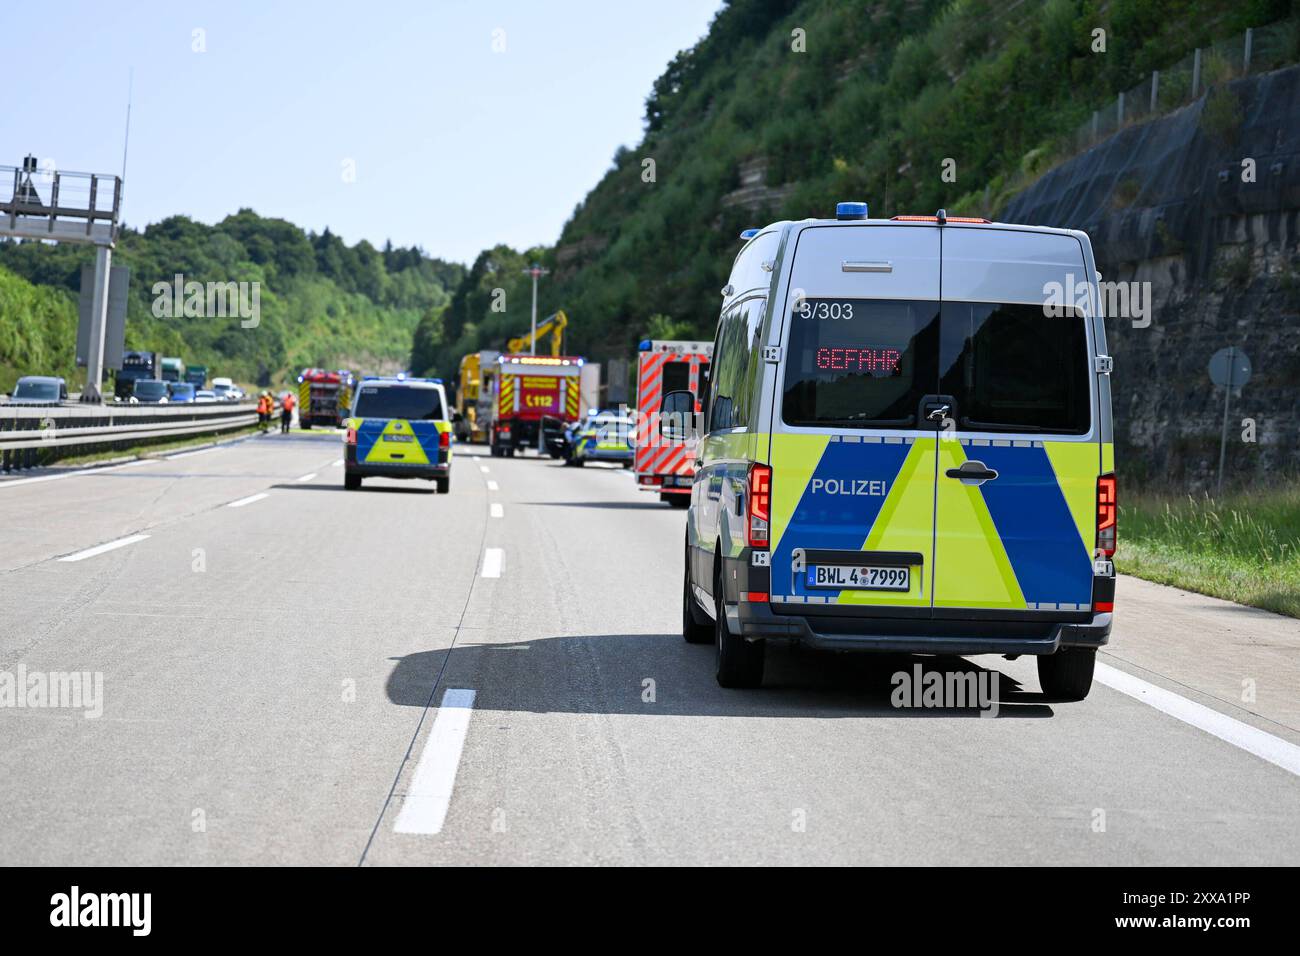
<point x="399" y="427"/>
<point x="906" y="447"/>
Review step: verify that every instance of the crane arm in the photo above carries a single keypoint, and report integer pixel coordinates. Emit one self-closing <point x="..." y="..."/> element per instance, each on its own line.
<point x="553" y="326"/>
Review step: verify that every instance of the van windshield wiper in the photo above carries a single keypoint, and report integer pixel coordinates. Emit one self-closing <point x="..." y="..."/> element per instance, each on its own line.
<point x="991" y="427"/>
<point x="867" y="422"/>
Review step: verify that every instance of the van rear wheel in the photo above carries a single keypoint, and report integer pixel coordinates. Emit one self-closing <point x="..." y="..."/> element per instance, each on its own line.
<point x="1067" y="674"/>
<point x="740" y="662"/>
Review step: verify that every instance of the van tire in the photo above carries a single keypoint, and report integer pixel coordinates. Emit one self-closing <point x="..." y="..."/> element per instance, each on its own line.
<point x="443" y="485"/>
<point x="740" y="662"/>
<point x="1067" y="674"/>
<point x="696" y="626"/>
<point x="351" y="482"/>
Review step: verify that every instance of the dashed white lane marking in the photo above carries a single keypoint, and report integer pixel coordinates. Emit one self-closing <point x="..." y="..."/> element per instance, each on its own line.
<point x="493" y="486"/>
<point x="484" y="468"/>
<point x="247" y="501"/>
<point x="1250" y="739"/>
<point x="493" y="558"/>
<point x="308" y="477"/>
<point x="497" y="511"/>
<point x="429" y="795"/>
<point x="101" y="548"/>
<point x="337" y="464"/>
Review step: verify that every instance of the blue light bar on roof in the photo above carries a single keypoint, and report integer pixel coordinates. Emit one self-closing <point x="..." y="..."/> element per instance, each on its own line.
<point x="748" y="234"/>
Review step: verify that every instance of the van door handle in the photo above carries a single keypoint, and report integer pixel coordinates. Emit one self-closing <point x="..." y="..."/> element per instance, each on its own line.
<point x="972" y="472"/>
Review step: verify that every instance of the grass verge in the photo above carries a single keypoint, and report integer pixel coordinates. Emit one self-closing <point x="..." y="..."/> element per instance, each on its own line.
<point x="1243" y="547"/>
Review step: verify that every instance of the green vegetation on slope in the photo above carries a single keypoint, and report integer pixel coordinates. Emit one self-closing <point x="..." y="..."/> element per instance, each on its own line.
<point x="321" y="302"/>
<point x="38" y="329"/>
<point x="884" y="93"/>
<point x="1244" y="548"/>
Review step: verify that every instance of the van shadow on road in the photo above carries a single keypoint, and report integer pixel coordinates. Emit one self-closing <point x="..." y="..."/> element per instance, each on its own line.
<point x="606" y="674"/>
<point x="364" y="489"/>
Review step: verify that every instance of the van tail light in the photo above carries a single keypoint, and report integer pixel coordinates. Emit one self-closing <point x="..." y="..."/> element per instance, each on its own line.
<point x="351" y="437"/>
<point x="1107" y="515"/>
<point x="444" y="439"/>
<point x="758" y="506"/>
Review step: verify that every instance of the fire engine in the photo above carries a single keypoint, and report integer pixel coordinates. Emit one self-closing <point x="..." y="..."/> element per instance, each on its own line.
<point x="665" y="465"/>
<point x="529" y="388"/>
<point x="324" y="397"/>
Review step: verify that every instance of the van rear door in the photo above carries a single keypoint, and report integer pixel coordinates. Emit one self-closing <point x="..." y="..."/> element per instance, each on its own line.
<point x="853" y="466"/>
<point x="1020" y="453"/>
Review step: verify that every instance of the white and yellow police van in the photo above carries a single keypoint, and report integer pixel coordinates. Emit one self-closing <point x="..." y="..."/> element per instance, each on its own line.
<point x="906" y="447"/>
<point x="399" y="427"/>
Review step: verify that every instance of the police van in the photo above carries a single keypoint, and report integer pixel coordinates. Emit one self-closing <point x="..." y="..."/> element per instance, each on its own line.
<point x="906" y="447"/>
<point x="398" y="428"/>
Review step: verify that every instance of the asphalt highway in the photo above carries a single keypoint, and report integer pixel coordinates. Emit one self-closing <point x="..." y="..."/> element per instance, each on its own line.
<point x="295" y="673"/>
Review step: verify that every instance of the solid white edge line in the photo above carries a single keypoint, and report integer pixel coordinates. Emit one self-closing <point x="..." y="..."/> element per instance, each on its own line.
<point x="101" y="548"/>
<point x="247" y="501"/>
<point x="1250" y="739"/>
<point x="497" y="511"/>
<point x="189" y="454"/>
<point x="493" y="559"/>
<point x="493" y="486"/>
<point x="308" y="477"/>
<point x="429" y="795"/>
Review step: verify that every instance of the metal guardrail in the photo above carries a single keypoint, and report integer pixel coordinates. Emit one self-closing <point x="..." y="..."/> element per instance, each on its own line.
<point x="38" y="434"/>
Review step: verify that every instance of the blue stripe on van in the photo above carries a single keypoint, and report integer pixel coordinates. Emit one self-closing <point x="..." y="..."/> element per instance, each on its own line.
<point x="837" y="521"/>
<point x="1034" y="522"/>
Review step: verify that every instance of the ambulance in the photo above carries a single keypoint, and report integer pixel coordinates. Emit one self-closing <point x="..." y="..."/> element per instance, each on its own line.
<point x="399" y="427"/>
<point x="907" y="447"/>
<point x="662" y="465"/>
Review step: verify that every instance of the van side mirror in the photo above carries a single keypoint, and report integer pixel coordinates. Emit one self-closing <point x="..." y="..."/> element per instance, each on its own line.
<point x="676" y="413"/>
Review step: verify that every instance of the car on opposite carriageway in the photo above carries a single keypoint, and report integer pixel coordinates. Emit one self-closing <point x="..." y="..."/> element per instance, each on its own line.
<point x="399" y="427"/>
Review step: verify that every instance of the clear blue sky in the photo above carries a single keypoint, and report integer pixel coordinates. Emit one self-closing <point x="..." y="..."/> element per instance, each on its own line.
<point x="456" y="147"/>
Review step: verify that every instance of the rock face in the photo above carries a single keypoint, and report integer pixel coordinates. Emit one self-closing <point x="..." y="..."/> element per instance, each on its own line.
<point x="1203" y="204"/>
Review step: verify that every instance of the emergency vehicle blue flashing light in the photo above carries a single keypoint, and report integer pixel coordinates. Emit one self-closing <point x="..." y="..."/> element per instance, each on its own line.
<point x="748" y="234"/>
<point x="644" y="346"/>
<point x="851" y="210"/>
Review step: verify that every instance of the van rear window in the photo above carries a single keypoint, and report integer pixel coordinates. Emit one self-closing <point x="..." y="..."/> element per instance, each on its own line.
<point x="863" y="363"/>
<point x="410" y="402"/>
<point x="1013" y="368"/>
<point x="869" y="363"/>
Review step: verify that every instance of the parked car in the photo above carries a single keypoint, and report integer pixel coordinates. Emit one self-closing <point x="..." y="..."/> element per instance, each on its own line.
<point x="150" y="391"/>
<point x="39" y="390"/>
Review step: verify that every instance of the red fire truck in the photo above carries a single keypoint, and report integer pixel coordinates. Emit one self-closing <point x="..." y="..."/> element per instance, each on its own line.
<point x="324" y="397"/>
<point x="530" y="388"/>
<point x="662" y="464"/>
